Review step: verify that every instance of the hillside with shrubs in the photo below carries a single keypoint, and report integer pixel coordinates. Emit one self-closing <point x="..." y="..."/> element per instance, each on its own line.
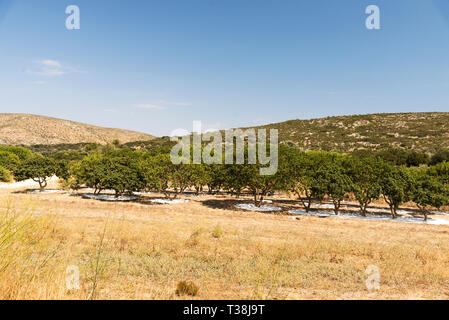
<point x="426" y="132"/>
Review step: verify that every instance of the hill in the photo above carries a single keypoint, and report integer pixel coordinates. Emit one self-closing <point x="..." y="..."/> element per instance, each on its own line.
<point x="425" y="132"/>
<point x="27" y="129"/>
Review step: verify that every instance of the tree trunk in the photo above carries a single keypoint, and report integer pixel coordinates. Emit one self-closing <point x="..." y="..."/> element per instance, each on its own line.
<point x="363" y="209"/>
<point x="42" y="184"/>
<point x="256" y="202"/>
<point x="337" y="204"/>
<point x="395" y="209"/>
<point x="393" y="214"/>
<point x="309" y="204"/>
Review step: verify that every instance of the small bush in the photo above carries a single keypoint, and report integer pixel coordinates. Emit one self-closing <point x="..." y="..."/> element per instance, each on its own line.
<point x="5" y="175"/>
<point x="217" y="232"/>
<point x="187" y="288"/>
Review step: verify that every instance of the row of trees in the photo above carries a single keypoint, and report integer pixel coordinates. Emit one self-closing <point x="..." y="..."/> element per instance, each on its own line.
<point x="311" y="176"/>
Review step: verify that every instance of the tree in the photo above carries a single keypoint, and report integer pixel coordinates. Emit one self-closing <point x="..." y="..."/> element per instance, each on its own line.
<point x="365" y="175"/>
<point x="122" y="172"/>
<point x="38" y="168"/>
<point x="161" y="175"/>
<point x="428" y="191"/>
<point x="440" y="156"/>
<point x="415" y="158"/>
<point x="218" y="177"/>
<point x="198" y="176"/>
<point x="258" y="185"/>
<point x="89" y="172"/>
<point x="395" y="183"/>
<point x="301" y="173"/>
<point x="234" y="178"/>
<point x="332" y="179"/>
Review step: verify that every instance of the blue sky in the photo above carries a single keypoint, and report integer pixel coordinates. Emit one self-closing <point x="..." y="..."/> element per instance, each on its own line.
<point x="155" y="66"/>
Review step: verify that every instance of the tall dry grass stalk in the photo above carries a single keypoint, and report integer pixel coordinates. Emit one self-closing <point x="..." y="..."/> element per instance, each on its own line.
<point x="26" y="253"/>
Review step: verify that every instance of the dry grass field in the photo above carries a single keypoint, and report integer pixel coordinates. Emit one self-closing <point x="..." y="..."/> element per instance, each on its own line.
<point x="141" y="250"/>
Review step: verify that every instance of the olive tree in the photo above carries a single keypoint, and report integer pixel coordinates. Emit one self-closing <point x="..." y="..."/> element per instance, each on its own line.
<point x="332" y="179"/>
<point x="89" y="172"/>
<point x="428" y="191"/>
<point x="162" y="175"/>
<point x="38" y="168"/>
<point x="300" y="176"/>
<point x="365" y="175"/>
<point x="122" y="172"/>
<point x="199" y="176"/>
<point x="396" y="184"/>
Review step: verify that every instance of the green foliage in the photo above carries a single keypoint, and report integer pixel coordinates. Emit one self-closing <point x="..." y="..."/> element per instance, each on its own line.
<point x="161" y="175"/>
<point x="22" y="153"/>
<point x="428" y="191"/>
<point x="88" y="172"/>
<point x="9" y="161"/>
<point x="396" y="184"/>
<point x="121" y="171"/>
<point x="424" y="132"/>
<point x="217" y="232"/>
<point x="311" y="175"/>
<point x="441" y="172"/>
<point x="5" y="175"/>
<point x="38" y="168"/>
<point x="199" y="176"/>
<point x="301" y="174"/>
<point x="397" y="156"/>
<point x="332" y="179"/>
<point x="365" y="175"/>
<point x="217" y="178"/>
<point x="440" y="156"/>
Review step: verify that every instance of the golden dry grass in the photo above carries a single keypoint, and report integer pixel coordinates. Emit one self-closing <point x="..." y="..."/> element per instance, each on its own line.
<point x="142" y="251"/>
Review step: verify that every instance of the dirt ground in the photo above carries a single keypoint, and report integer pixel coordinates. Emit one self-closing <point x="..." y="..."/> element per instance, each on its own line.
<point x="142" y="250"/>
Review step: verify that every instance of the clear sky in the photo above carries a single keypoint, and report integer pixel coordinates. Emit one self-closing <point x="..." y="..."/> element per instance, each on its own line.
<point x="155" y="66"/>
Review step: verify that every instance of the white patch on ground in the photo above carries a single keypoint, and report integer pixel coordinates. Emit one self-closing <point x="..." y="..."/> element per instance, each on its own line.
<point x="440" y="212"/>
<point x="166" y="201"/>
<point x="24" y="184"/>
<point x="44" y="191"/>
<point x="143" y="193"/>
<point x="404" y="212"/>
<point x="377" y="210"/>
<point x="252" y="199"/>
<point x="109" y="197"/>
<point x="252" y="207"/>
<point x="345" y="215"/>
<point x="323" y="205"/>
